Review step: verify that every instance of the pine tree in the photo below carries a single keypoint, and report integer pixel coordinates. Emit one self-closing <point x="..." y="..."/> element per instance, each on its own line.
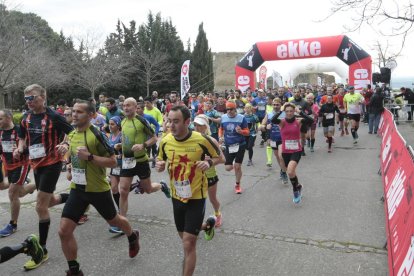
<point x="201" y="68"/>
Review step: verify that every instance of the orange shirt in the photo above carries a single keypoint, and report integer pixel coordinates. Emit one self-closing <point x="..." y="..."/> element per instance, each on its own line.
<point x="324" y="99"/>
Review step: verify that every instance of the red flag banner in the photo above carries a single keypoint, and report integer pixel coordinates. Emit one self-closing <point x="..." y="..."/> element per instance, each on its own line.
<point x="397" y="169"/>
<point x="262" y="77"/>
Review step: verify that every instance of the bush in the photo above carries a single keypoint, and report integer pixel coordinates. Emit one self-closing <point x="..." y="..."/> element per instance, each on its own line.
<point x="17" y="118"/>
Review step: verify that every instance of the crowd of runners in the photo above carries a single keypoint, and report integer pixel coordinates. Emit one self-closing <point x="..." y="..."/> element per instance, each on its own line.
<point x="102" y="146"/>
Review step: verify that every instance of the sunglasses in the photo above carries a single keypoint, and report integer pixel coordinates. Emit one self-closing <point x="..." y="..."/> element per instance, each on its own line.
<point x="30" y="98"/>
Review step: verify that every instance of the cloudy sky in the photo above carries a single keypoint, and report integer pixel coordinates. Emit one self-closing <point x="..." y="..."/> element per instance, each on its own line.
<point x="230" y="25"/>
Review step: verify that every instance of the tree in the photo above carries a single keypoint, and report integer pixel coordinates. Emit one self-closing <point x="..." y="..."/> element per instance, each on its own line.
<point x="388" y="18"/>
<point x="385" y="54"/>
<point x="201" y="72"/>
<point x="95" y="68"/>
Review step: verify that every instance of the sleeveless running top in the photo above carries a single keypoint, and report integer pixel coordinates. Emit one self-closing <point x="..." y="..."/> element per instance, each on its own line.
<point x="291" y="141"/>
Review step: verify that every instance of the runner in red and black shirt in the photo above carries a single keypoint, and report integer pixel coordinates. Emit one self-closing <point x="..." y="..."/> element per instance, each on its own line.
<point x="43" y="131"/>
<point x="16" y="169"/>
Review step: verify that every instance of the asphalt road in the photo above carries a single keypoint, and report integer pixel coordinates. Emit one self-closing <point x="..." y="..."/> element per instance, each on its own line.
<point x="338" y="229"/>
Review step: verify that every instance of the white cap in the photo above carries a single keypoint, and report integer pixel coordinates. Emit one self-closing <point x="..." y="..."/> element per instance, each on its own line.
<point x="201" y="121"/>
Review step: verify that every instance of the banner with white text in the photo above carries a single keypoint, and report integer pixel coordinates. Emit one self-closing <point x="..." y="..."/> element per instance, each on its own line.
<point x="185" y="78"/>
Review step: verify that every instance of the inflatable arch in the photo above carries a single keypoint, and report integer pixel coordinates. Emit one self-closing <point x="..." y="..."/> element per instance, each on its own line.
<point x="359" y="61"/>
<point x="318" y="68"/>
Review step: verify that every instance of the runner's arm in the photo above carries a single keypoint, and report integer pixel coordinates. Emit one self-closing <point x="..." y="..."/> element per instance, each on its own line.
<point x="275" y="119"/>
<point x="306" y="119"/>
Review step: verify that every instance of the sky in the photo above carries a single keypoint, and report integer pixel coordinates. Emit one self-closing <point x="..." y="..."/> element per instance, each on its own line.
<point x="231" y="26"/>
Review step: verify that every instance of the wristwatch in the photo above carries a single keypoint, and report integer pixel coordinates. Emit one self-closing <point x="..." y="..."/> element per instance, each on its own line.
<point x="90" y="157"/>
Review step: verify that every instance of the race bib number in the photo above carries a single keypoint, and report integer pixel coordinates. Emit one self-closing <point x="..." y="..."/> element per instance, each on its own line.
<point x="292" y="144"/>
<point x="183" y="189"/>
<point x="272" y="144"/>
<point x="37" y="151"/>
<point x="129" y="163"/>
<point x="261" y="108"/>
<point x="234" y="148"/>
<point x="240" y="110"/>
<point x="116" y="171"/>
<point x="8" y="146"/>
<point x="329" y="116"/>
<point x="78" y="176"/>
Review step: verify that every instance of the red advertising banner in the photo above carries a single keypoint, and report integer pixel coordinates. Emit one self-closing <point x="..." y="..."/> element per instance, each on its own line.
<point x="262" y="77"/>
<point x="341" y="46"/>
<point x="397" y="169"/>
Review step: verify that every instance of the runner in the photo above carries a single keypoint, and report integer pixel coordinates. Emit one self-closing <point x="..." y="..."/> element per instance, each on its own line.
<point x="274" y="138"/>
<point x="328" y="120"/>
<point x="315" y="114"/>
<point x="137" y="136"/>
<point x="155" y="126"/>
<point x="214" y="118"/>
<point x="184" y="151"/>
<point x="115" y="140"/>
<point x="342" y="113"/>
<point x="252" y="121"/>
<point x="301" y="103"/>
<point x="29" y="246"/>
<point x="153" y="111"/>
<point x="352" y="102"/>
<point x="16" y="169"/>
<point x="201" y="126"/>
<point x="42" y="131"/>
<point x="291" y="143"/>
<point x="90" y="154"/>
<point x="113" y="109"/>
<point x="259" y="104"/>
<point x="232" y="132"/>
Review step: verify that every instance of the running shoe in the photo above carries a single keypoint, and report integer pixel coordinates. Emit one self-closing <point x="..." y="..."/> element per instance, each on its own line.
<point x="303" y="153"/>
<point x="296" y="197"/>
<point x="269" y="165"/>
<point x="285" y="178"/>
<point x="115" y="230"/>
<point x="165" y="189"/>
<point x="209" y="231"/>
<point x="34" y="249"/>
<point x="249" y="163"/>
<point x="346" y="131"/>
<point x="342" y="133"/>
<point x="134" y="246"/>
<point x="355" y="141"/>
<point x="84" y="218"/>
<point x="262" y="143"/>
<point x="32" y="264"/>
<point x="137" y="187"/>
<point x="312" y="150"/>
<point x="219" y="220"/>
<point x="329" y="150"/>
<point x="237" y="189"/>
<point x="68" y="273"/>
<point x="7" y="230"/>
<point x="27" y="181"/>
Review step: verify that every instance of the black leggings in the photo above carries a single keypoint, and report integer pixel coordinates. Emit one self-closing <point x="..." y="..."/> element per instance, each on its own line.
<point x="250" y="144"/>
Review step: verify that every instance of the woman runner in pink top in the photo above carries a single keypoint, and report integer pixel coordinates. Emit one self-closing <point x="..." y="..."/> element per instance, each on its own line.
<point x="291" y="143"/>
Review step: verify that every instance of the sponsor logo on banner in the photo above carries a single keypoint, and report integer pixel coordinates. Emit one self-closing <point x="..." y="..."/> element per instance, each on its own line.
<point x="243" y="82"/>
<point x="262" y="77"/>
<point x="299" y="49"/>
<point x="185" y="78"/>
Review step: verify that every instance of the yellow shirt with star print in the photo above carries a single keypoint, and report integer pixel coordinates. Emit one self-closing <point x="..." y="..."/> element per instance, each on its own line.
<point x="186" y="180"/>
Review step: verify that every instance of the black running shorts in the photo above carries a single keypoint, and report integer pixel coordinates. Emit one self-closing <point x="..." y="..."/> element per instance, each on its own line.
<point x="141" y="169"/>
<point x="237" y="157"/>
<point x="189" y="216"/>
<point x="287" y="157"/>
<point x="46" y="177"/>
<point x="18" y="176"/>
<point x="79" y="200"/>
<point x="212" y="181"/>
<point x="355" y="117"/>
